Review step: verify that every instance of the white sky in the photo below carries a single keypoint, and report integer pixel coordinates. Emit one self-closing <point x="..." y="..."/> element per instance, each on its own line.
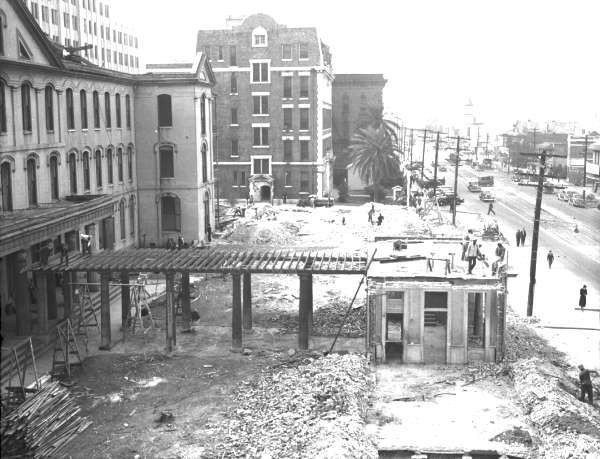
<point x="526" y="59"/>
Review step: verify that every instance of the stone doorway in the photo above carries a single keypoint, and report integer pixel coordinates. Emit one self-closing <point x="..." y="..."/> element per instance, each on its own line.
<point x="265" y="193"/>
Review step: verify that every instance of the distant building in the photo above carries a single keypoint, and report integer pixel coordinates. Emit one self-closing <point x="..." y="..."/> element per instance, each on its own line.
<point x="529" y="142"/>
<point x="74" y="23"/>
<point x="273" y="110"/>
<point x="580" y="147"/>
<point x="353" y="96"/>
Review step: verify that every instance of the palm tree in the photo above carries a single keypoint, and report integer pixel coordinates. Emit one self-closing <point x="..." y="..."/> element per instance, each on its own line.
<point x="373" y="155"/>
<point x="373" y="117"/>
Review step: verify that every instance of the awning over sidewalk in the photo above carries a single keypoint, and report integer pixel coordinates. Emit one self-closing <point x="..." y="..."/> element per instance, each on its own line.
<point x="217" y="260"/>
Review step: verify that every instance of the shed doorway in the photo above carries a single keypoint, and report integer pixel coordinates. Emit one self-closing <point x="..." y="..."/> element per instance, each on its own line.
<point x="265" y="193"/>
<point x="435" y="321"/>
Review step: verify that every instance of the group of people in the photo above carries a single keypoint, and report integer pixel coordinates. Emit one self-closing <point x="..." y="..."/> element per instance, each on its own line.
<point x="471" y="251"/>
<point x="371" y="214"/>
<point x="520" y="236"/>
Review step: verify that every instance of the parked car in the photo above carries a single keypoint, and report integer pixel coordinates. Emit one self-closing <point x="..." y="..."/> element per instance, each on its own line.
<point x="486" y="196"/>
<point x="565" y="195"/>
<point x="474" y="187"/>
<point x="446" y="199"/>
<point x="577" y="200"/>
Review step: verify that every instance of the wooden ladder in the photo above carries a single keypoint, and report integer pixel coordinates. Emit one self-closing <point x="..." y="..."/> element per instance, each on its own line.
<point x="83" y="323"/>
<point x="65" y="344"/>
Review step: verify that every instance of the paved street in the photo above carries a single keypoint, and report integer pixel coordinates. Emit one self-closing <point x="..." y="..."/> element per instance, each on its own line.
<point x="577" y="255"/>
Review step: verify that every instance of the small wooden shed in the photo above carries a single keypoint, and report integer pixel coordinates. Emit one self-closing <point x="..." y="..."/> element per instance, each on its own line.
<point x="428" y="309"/>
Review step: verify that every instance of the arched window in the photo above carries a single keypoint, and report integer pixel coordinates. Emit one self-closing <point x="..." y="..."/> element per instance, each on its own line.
<point x="170" y="208"/>
<point x="49" y="107"/>
<point x="167" y="161"/>
<point x="70" y="109"/>
<point x="122" y="218"/>
<point x="73" y="173"/>
<point x="204" y="164"/>
<point x="107" y="110"/>
<point x="130" y="163"/>
<point x="83" y="107"/>
<point x="203" y="114"/>
<point x="26" y="106"/>
<point x="98" y="163"/>
<point x="6" y="181"/>
<point x="120" y="163"/>
<point x="109" y="165"/>
<point x="86" y="170"/>
<point x="206" y="212"/>
<point x="259" y="37"/>
<point x="127" y="112"/>
<point x="118" y="109"/>
<point x="165" y="118"/>
<point x="3" y="127"/>
<point x="32" y="181"/>
<point x="132" y="215"/>
<point x="96" y="108"/>
<point x="54" y="177"/>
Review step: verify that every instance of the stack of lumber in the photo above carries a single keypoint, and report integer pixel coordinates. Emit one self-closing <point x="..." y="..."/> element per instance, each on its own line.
<point x="43" y="425"/>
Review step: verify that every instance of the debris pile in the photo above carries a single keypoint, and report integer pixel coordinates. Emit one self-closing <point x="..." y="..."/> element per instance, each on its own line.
<point x="567" y="427"/>
<point x="43" y="425"/>
<point x="312" y="410"/>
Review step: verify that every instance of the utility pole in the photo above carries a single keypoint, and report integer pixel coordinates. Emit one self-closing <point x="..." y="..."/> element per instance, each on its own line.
<point x="455" y="180"/>
<point x="536" y="222"/>
<point x="437" y="146"/>
<point x="423" y="161"/>
<point x="584" y="166"/>
<point x="409" y="170"/>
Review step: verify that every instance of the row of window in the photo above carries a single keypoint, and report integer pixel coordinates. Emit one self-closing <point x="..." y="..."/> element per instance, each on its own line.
<point x="288" y="149"/>
<point x="239" y="178"/>
<point x="128" y="60"/>
<point x="165" y="111"/>
<point x="287" y="51"/>
<point x="288" y="86"/>
<point x="54" y="164"/>
<point x="261" y="108"/>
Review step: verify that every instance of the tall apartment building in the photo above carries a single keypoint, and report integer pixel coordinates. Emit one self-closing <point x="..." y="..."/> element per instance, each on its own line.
<point x="74" y="23"/>
<point x="273" y="110"/>
<point x="353" y="96"/>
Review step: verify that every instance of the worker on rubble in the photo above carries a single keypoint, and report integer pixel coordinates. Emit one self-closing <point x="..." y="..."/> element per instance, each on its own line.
<point x="585" y="382"/>
<point x="500" y="253"/>
<point x="473" y="253"/>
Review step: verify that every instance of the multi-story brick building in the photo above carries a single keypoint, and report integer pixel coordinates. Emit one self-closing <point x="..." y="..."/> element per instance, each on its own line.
<point x="69" y="161"/>
<point x="74" y="23"/>
<point x="273" y="110"/>
<point x="353" y="96"/>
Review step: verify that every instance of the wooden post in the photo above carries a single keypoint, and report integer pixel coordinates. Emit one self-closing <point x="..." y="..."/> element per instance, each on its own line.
<point x="105" y="325"/>
<point x="41" y="298"/>
<point x="170" y="312"/>
<point x="247" y="302"/>
<point x="305" y="311"/>
<point x="236" y="313"/>
<point x="51" y="294"/>
<point x="186" y="310"/>
<point x="68" y="277"/>
<point x="125" y="301"/>
<point x="22" y="298"/>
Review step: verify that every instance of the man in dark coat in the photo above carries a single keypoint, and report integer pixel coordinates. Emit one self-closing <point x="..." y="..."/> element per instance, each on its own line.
<point x="523" y="236"/>
<point x="582" y="296"/>
<point x="518" y="237"/>
<point x="585" y="382"/>
<point x="550" y="258"/>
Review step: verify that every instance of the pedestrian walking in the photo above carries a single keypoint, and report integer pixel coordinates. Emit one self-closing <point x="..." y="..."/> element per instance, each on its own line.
<point x="491" y="209"/>
<point x="585" y="382"/>
<point x="518" y="237"/>
<point x="523" y="236"/>
<point x="550" y="258"/>
<point x="472" y="254"/>
<point x="208" y="233"/>
<point x="379" y="219"/>
<point x="582" y="296"/>
<point x="370" y="219"/>
<point x="343" y="221"/>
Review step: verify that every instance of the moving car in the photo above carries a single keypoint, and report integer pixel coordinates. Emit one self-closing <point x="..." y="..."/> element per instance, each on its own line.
<point x="474" y="187"/>
<point x="577" y="200"/>
<point x="486" y="196"/>
<point x="565" y="195"/>
<point x="446" y="199"/>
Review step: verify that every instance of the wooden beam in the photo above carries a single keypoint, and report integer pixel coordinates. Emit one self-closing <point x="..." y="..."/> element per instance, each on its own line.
<point x="247" y="302"/>
<point x="125" y="301"/>
<point x="236" y="313"/>
<point x="51" y="295"/>
<point x="170" y="312"/>
<point x="305" y="311"/>
<point x="68" y="277"/>
<point x="186" y="310"/>
<point x="105" y="341"/>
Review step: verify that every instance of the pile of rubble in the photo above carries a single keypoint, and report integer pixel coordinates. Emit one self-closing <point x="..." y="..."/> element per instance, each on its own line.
<point x="314" y="410"/>
<point x="566" y="426"/>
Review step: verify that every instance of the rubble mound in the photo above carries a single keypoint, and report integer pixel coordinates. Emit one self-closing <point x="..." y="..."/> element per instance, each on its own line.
<point x="314" y="410"/>
<point x="567" y="427"/>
